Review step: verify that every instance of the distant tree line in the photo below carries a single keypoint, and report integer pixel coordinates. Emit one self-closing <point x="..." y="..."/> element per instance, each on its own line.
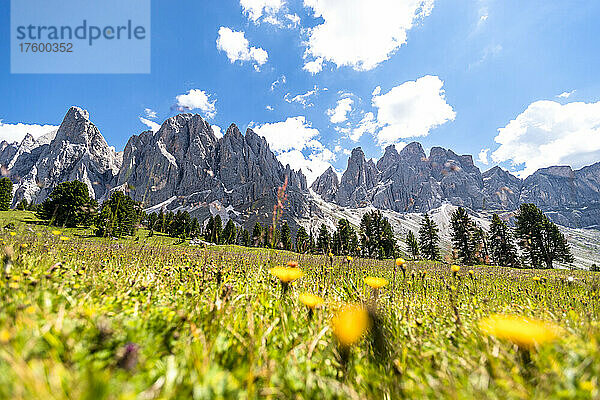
<point x="535" y="242"/>
<point x="540" y="241"/>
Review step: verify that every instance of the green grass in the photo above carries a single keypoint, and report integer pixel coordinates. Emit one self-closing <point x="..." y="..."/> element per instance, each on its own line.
<point x="151" y="318"/>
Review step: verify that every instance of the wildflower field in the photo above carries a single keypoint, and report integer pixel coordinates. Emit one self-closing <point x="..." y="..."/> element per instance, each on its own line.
<point x="151" y="318"/>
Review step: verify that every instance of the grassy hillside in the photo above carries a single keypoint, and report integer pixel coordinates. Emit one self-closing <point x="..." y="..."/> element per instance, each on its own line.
<point x="84" y="317"/>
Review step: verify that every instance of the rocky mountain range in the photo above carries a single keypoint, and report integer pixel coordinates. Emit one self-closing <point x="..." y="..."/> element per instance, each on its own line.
<point x="410" y="181"/>
<point x="183" y="165"/>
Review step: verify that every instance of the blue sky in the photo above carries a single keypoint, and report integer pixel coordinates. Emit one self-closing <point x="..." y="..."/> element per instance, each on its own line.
<point x="466" y="75"/>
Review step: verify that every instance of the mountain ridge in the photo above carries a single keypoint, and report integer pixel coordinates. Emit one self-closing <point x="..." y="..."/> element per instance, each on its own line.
<point x="183" y="165"/>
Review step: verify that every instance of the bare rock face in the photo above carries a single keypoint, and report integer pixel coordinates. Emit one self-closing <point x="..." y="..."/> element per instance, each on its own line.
<point x="501" y="189"/>
<point x="184" y="166"/>
<point x="327" y="185"/>
<point x="357" y="181"/>
<point x="76" y="151"/>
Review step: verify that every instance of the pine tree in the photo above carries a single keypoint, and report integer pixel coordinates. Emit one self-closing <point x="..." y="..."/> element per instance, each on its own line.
<point x="462" y="236"/>
<point x="502" y="248"/>
<point x="6" y="188"/>
<point x="429" y="239"/>
<point x="245" y="238"/>
<point x="302" y="241"/>
<point x="343" y="237"/>
<point x="413" y="245"/>
<point x="229" y="233"/>
<point x="541" y="240"/>
<point x="286" y="237"/>
<point x="68" y="205"/>
<point x="119" y="216"/>
<point x="257" y="233"/>
<point x="217" y="232"/>
<point x="377" y="236"/>
<point x="323" y="244"/>
<point x="481" y="240"/>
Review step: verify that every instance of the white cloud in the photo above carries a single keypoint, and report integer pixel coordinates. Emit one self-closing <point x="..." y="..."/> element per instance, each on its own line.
<point x="376" y="91"/>
<point x="315" y="66"/>
<point x="548" y="133"/>
<point x="150" y="124"/>
<point x="280" y="81"/>
<point x="483" y="156"/>
<point x="294" y="20"/>
<point x="367" y="124"/>
<point x="359" y="33"/>
<point x="312" y="166"/>
<point x="566" y="95"/>
<point x="217" y="131"/>
<point x="303" y="99"/>
<point x="237" y="47"/>
<point x="269" y="108"/>
<point x="255" y="9"/>
<point x="16" y="132"/>
<point x="412" y="109"/>
<point x="149" y="113"/>
<point x="197" y="99"/>
<point x="340" y="113"/>
<point x="291" y="139"/>
<point x="293" y="133"/>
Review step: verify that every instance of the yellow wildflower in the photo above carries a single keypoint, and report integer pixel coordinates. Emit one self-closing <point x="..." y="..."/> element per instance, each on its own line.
<point x="64" y="238"/>
<point x="13" y="234"/>
<point x="4" y="336"/>
<point x="349" y="324"/>
<point x="293" y="264"/>
<point x="400" y="262"/>
<point x="286" y="274"/>
<point x="471" y="272"/>
<point x="375" y="283"/>
<point x="522" y="331"/>
<point x="310" y="300"/>
<point x="56" y="232"/>
<point x="455" y="268"/>
<point x="349" y="258"/>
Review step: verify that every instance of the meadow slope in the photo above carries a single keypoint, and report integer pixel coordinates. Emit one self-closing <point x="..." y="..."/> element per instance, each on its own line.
<point x="149" y="318"/>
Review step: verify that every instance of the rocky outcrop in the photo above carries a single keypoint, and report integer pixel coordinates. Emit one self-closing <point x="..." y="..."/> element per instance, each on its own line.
<point x="327" y="185"/>
<point x="184" y="166"/>
<point x="76" y="150"/>
<point x="501" y="189"/>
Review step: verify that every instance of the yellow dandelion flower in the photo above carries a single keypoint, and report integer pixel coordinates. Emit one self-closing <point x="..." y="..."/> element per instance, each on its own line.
<point x="522" y="331"/>
<point x="293" y="264"/>
<point x="400" y="262"/>
<point x="375" y="283"/>
<point x="64" y="238"/>
<point x="4" y="336"/>
<point x="471" y="272"/>
<point x="30" y="310"/>
<point x="455" y="268"/>
<point x="13" y="234"/>
<point x="24" y="245"/>
<point x="536" y="278"/>
<point x="286" y="274"/>
<point x="349" y="324"/>
<point x="349" y="258"/>
<point x="330" y="255"/>
<point x="56" y="232"/>
<point x="310" y="300"/>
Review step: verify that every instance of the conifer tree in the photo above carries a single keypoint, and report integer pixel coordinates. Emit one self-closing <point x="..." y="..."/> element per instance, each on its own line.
<point x="413" y="245"/>
<point x="6" y="187"/>
<point x="302" y="241"/>
<point x="228" y="236"/>
<point x="541" y="240"/>
<point x="462" y="236"/>
<point x="429" y="239"/>
<point x="286" y="237"/>
<point x="257" y="233"/>
<point x="502" y="248"/>
<point x="217" y="233"/>
<point x="323" y="244"/>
